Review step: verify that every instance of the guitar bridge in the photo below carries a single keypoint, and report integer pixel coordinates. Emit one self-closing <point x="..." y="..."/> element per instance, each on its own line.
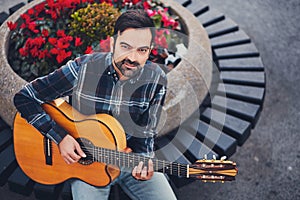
<point x="48" y="151"/>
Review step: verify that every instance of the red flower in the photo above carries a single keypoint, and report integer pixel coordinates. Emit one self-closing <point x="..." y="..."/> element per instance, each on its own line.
<point x="60" y="33"/>
<point x="23" y="52"/>
<point x="26" y="18"/>
<point x="43" y="54"/>
<point x="31" y="26"/>
<point x="54" y="51"/>
<point x="163" y="42"/>
<point x="135" y="1"/>
<point x="63" y="43"/>
<point x="146" y="5"/>
<point x="23" y="25"/>
<point x="39" y="8"/>
<point x="45" y="32"/>
<point x="34" y="52"/>
<point x="89" y="50"/>
<point x="52" y="41"/>
<point x="38" y="41"/>
<point x="30" y="11"/>
<point x="151" y="12"/>
<point x="154" y="52"/>
<point x="52" y="13"/>
<point x="62" y="55"/>
<point x="105" y="44"/>
<point x="12" y="26"/>
<point x="78" y="42"/>
<point x="51" y="3"/>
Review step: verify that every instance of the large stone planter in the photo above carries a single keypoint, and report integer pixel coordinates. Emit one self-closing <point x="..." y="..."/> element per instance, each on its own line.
<point x="188" y="83"/>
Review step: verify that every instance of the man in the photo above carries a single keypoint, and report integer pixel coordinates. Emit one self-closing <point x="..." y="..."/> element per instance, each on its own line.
<point x="123" y="84"/>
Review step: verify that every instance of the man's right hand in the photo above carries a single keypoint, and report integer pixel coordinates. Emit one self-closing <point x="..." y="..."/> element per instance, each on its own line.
<point x="70" y="150"/>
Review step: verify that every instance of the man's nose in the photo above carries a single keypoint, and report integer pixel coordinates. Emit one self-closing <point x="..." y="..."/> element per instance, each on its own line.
<point x="132" y="55"/>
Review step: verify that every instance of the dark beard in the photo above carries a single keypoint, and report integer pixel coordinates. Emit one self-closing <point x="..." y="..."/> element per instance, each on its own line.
<point x="130" y="73"/>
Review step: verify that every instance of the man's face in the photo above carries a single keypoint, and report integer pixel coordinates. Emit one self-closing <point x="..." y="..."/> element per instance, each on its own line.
<point x="131" y="51"/>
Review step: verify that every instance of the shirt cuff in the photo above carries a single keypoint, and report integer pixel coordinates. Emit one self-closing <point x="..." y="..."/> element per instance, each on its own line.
<point x="56" y="134"/>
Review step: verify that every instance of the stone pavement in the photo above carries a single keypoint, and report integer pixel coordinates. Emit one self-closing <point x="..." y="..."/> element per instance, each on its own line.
<point x="269" y="160"/>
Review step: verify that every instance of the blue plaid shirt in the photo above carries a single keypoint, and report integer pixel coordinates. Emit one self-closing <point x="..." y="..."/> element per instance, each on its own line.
<point x="95" y="87"/>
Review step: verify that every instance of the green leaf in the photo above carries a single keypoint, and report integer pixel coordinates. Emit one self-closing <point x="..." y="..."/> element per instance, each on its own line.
<point x="19" y="43"/>
<point x="34" y="70"/>
<point x="16" y="65"/>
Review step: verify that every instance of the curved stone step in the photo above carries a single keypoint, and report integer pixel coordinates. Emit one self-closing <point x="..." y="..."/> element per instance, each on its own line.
<point x="16" y="7"/>
<point x="241" y="64"/>
<point x="3" y="17"/>
<point x="20" y="183"/>
<point x="8" y="163"/>
<point x="241" y="109"/>
<point x="231" y="39"/>
<point x="231" y="125"/>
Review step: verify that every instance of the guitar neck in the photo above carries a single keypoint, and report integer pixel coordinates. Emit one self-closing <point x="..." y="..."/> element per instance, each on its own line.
<point x="131" y="160"/>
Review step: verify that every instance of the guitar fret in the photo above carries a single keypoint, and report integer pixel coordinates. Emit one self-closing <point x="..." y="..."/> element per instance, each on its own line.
<point x="102" y="155"/>
<point x="109" y="156"/>
<point x="96" y="151"/>
<point x="133" y="160"/>
<point x="119" y="159"/>
<point x="100" y="158"/>
<point x="123" y="159"/>
<point x="106" y="157"/>
<point x="178" y="170"/>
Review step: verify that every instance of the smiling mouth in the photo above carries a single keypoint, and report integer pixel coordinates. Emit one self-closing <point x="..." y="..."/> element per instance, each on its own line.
<point x="129" y="66"/>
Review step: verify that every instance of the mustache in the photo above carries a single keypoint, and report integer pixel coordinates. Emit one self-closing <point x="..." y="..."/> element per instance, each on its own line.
<point x="130" y="62"/>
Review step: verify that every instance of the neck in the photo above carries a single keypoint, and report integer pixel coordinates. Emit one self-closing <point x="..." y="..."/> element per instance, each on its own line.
<point x="121" y="76"/>
<point x="130" y="160"/>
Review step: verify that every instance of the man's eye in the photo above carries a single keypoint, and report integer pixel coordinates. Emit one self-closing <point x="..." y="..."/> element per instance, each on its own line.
<point x="124" y="46"/>
<point x="143" y="50"/>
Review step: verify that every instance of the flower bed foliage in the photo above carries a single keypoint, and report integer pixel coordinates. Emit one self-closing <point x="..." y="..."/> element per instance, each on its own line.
<point x="55" y="31"/>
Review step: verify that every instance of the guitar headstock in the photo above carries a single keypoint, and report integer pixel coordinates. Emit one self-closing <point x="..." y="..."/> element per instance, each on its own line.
<point x="213" y="170"/>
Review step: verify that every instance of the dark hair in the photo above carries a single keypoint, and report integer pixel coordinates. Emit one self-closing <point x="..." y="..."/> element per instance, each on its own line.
<point x="133" y="19"/>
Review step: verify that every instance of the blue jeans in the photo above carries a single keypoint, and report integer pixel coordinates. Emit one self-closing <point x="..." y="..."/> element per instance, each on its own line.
<point x="156" y="188"/>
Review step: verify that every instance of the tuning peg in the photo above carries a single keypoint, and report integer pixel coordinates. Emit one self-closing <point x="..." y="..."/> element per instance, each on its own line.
<point x="223" y="158"/>
<point x="205" y="157"/>
<point x="214" y="157"/>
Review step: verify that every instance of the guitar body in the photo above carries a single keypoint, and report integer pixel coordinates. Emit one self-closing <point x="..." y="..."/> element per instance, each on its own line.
<point x="31" y="149"/>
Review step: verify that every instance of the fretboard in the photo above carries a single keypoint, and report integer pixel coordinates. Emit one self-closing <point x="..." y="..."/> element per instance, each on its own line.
<point x="131" y="160"/>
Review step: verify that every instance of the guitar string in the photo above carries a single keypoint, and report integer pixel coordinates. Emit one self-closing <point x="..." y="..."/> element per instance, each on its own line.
<point x="139" y="158"/>
<point x="162" y="165"/>
<point x="116" y="153"/>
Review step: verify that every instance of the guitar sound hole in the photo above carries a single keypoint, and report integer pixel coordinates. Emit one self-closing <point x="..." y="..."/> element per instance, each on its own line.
<point x="87" y="146"/>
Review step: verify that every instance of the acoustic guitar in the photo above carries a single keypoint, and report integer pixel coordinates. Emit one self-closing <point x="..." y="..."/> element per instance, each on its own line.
<point x="102" y="138"/>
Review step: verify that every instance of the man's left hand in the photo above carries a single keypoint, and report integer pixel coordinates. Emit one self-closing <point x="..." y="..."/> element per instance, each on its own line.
<point x="142" y="172"/>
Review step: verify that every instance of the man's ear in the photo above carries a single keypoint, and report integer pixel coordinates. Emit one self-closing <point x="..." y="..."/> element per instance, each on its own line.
<point x="112" y="41"/>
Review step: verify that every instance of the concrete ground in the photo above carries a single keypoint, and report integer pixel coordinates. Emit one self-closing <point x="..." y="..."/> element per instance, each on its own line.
<point x="269" y="161"/>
